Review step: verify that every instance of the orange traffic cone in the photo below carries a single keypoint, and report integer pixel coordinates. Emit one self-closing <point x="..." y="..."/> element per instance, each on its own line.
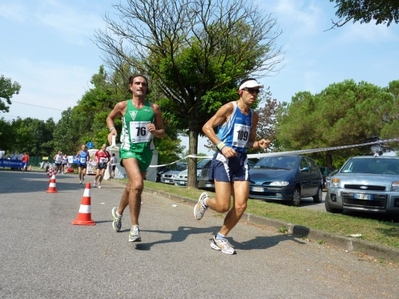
<point x="52" y="185"/>
<point x="84" y="215"/>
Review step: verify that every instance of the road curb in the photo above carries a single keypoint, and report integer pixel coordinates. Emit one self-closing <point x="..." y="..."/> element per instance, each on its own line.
<point x="349" y="244"/>
<point x="346" y="243"/>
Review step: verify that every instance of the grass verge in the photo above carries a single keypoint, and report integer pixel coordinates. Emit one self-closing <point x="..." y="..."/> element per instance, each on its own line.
<point x="372" y="230"/>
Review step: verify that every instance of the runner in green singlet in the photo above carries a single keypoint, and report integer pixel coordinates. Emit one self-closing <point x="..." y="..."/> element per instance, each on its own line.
<point x="141" y="121"/>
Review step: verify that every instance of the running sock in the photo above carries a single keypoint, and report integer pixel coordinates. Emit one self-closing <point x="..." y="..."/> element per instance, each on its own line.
<point x="220" y="236"/>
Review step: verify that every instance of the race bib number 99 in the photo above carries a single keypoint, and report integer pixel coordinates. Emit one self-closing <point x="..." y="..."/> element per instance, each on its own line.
<point x="241" y="135"/>
<point x="139" y="132"/>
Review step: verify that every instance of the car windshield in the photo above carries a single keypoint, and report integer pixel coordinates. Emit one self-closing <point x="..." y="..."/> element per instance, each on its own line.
<point x="373" y="165"/>
<point x="179" y="166"/>
<point x="202" y="163"/>
<point x="282" y="162"/>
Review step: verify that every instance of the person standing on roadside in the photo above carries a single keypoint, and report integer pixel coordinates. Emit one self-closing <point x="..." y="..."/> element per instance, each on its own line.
<point x="25" y="161"/>
<point x="141" y="121"/>
<point x="114" y="160"/>
<point x="236" y="126"/>
<point x="103" y="157"/>
<point x="83" y="157"/>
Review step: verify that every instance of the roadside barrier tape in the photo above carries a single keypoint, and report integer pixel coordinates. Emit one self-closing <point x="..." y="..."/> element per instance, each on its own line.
<point x="297" y="152"/>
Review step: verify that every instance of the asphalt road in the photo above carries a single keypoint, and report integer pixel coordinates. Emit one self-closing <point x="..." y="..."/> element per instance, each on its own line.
<point x="43" y="255"/>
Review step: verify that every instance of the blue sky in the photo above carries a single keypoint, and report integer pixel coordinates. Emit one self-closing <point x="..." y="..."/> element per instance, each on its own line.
<point x="47" y="46"/>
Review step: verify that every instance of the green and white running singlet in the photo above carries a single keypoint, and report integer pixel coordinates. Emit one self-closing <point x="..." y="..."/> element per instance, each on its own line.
<point x="136" y="139"/>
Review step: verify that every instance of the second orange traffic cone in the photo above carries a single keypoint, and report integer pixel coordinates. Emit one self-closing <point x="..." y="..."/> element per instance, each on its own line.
<point x="84" y="214"/>
<point x="52" y="185"/>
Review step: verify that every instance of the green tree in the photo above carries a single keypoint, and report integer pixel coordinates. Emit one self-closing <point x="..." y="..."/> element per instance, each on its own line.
<point x="6" y="135"/>
<point x="7" y="90"/>
<point x="365" y="11"/>
<point x="194" y="53"/>
<point x="389" y="112"/>
<point x="344" y="113"/>
<point x="33" y="136"/>
<point x="65" y="137"/>
<point x="267" y="110"/>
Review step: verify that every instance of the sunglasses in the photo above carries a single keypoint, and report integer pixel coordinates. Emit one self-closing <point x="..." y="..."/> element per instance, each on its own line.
<point x="252" y="90"/>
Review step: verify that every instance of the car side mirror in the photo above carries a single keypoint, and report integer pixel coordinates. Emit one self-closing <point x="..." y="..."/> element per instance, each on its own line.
<point x="305" y="169"/>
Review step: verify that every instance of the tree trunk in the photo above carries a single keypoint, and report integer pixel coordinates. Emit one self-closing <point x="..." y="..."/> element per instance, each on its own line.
<point x="329" y="159"/>
<point x="192" y="162"/>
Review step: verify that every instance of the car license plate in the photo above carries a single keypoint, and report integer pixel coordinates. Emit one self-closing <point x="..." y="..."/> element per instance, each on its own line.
<point x="257" y="189"/>
<point x="167" y="181"/>
<point x="363" y="196"/>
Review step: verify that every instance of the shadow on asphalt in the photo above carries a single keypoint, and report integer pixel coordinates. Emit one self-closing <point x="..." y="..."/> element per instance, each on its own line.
<point x="181" y="234"/>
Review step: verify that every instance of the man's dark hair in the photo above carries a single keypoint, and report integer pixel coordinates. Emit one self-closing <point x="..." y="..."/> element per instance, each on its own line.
<point x="131" y="78"/>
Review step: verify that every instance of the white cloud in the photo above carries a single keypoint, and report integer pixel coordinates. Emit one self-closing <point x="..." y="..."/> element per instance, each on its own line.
<point x="371" y="33"/>
<point x="13" y="11"/>
<point x="74" y="25"/>
<point x="300" y="18"/>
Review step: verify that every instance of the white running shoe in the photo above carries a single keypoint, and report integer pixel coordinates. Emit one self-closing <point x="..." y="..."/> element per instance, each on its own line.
<point x="222" y="245"/>
<point x="134" y="235"/>
<point x="117" y="220"/>
<point x="200" y="207"/>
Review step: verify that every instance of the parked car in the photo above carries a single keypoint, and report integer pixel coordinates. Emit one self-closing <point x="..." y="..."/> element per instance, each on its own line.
<point x="365" y="183"/>
<point x="161" y="170"/>
<point x="181" y="177"/>
<point x="168" y="177"/>
<point x="325" y="171"/>
<point x="203" y="179"/>
<point x="329" y="176"/>
<point x="286" y="178"/>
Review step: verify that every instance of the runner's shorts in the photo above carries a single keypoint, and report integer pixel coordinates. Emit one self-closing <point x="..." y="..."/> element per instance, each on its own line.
<point x="102" y="165"/>
<point x="229" y="169"/>
<point x="144" y="158"/>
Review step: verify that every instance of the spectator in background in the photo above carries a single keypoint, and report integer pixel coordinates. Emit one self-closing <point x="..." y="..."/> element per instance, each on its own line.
<point x="25" y="161"/>
<point x="114" y="160"/>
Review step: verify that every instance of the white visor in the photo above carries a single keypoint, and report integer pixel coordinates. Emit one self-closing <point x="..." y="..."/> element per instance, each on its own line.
<point x="250" y="84"/>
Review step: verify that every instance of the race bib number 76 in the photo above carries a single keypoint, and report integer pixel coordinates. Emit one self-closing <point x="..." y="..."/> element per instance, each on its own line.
<point x="139" y="132"/>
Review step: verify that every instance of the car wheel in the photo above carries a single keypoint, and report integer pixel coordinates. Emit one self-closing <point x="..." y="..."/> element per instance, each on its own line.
<point x="318" y="197"/>
<point x="331" y="209"/>
<point x="296" y="197"/>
